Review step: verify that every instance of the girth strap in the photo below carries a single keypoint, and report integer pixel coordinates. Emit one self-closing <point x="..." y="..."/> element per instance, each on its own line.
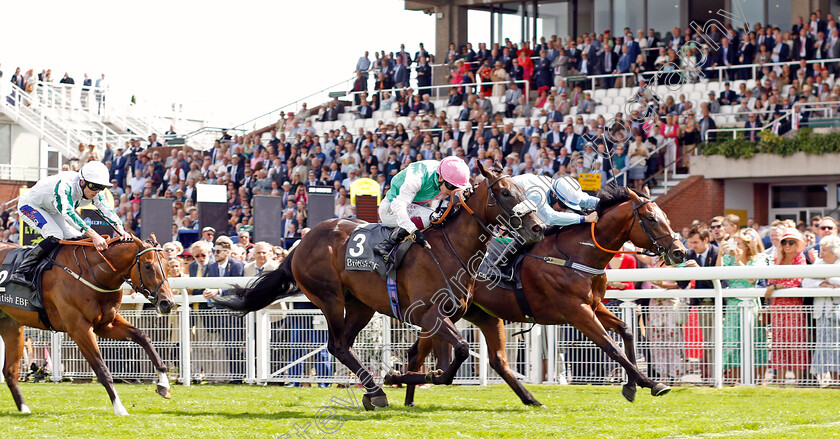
<point x="569" y="264"/>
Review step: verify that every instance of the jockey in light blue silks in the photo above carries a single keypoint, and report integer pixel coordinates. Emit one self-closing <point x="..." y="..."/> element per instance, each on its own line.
<point x="559" y="202"/>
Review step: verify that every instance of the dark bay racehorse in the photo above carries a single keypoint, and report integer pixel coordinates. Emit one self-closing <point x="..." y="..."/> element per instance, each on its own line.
<point x="85" y="303"/>
<point x="427" y="280"/>
<point x="559" y="295"/>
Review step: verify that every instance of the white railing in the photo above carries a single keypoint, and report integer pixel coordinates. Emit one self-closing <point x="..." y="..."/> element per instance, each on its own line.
<point x="24" y="173"/>
<point x="828" y="108"/>
<point x="187" y="338"/>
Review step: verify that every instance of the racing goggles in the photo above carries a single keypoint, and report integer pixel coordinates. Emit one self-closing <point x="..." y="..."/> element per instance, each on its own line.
<point x="94" y="186"/>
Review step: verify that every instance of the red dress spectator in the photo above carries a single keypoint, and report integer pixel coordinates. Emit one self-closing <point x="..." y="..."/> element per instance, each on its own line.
<point x="787" y="316"/>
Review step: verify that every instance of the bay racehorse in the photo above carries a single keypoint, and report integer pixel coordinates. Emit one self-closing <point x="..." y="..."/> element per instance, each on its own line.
<point x="81" y="297"/>
<point x="558" y="294"/>
<point x="433" y="284"/>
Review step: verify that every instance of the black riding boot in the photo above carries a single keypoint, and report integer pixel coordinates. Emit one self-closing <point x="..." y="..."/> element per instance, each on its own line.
<point x="384" y="248"/>
<point x="505" y="260"/>
<point x="23" y="273"/>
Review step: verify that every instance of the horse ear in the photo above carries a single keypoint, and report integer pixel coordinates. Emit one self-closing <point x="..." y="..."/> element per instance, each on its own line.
<point x="646" y="190"/>
<point x="482" y="169"/>
<point x="497" y="167"/>
<point x="154" y="239"/>
<point x="633" y="196"/>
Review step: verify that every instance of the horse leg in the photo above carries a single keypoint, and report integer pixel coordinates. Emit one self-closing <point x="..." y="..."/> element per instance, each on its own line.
<point x="343" y="330"/>
<point x="12" y="333"/>
<point x="416" y="356"/>
<point x="120" y="329"/>
<point x="448" y="333"/>
<point x="494" y="334"/>
<point x="612" y="323"/>
<point x="82" y="333"/>
<point x="586" y="322"/>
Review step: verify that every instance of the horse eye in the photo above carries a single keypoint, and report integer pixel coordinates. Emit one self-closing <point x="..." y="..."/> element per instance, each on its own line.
<point x="147" y="265"/>
<point x="506" y="192"/>
<point x="651" y="218"/>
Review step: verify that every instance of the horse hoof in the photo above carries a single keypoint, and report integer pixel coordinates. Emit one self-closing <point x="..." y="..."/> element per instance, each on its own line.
<point x="25" y="409"/>
<point x="376" y="401"/>
<point x="659" y="389"/>
<point x="432" y="375"/>
<point x="390" y="378"/>
<point x="629" y="393"/>
<point x="164" y="392"/>
<point x="409" y="404"/>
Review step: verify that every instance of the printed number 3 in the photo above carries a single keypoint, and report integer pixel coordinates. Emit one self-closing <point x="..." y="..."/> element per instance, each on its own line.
<point x="357" y="249"/>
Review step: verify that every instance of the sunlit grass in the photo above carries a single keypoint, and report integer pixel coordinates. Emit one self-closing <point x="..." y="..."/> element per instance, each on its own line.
<point x="83" y="410"/>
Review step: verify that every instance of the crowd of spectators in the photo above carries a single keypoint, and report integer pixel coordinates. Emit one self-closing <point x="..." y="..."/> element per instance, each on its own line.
<point x="803" y="330"/>
<point x="32" y="83"/>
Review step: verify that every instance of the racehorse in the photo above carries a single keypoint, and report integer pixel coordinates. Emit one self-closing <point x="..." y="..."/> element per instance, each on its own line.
<point x="81" y="297"/>
<point x="558" y="294"/>
<point x="425" y="279"/>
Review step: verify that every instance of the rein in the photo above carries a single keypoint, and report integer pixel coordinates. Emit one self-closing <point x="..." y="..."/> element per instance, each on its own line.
<point x="655" y="239"/>
<point x="88" y="242"/>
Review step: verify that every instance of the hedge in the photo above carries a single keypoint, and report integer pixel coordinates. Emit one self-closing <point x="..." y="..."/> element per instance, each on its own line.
<point x="804" y="140"/>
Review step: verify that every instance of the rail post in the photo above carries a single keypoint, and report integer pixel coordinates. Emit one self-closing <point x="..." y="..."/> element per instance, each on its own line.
<point x="250" y="349"/>
<point x="56" y="338"/>
<point x="483" y="359"/>
<point x="263" y="337"/>
<point x="386" y="343"/>
<point x="747" y="328"/>
<point x="718" y="325"/>
<point x="186" y="372"/>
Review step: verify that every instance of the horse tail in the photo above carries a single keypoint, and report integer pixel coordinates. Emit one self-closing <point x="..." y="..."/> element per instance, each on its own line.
<point x="268" y="287"/>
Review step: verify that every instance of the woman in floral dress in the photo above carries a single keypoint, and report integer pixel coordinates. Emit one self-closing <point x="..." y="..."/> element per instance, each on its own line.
<point x="745" y="251"/>
<point x="787" y="316"/>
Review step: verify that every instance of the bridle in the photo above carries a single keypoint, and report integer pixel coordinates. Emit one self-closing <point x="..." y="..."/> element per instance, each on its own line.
<point x="149" y="294"/>
<point x="514" y="221"/>
<point x="660" y="249"/>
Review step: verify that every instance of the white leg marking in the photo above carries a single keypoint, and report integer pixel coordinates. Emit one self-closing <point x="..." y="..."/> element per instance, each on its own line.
<point x="119" y="409"/>
<point x="25" y="409"/>
<point x="163" y="380"/>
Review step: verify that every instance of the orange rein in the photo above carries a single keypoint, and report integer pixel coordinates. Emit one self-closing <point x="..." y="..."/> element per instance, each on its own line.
<point x="88" y="242"/>
<point x="617" y="252"/>
<point x="452" y="202"/>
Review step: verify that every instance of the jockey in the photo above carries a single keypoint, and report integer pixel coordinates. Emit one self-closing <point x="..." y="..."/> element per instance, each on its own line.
<point x="559" y="202"/>
<point x="50" y="207"/>
<point x="406" y="205"/>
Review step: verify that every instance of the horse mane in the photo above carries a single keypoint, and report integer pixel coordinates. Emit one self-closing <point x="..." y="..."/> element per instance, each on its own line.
<point x="612" y="196"/>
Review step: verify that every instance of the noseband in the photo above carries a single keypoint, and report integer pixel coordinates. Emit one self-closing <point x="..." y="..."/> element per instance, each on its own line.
<point x="660" y="250"/>
<point x="142" y="289"/>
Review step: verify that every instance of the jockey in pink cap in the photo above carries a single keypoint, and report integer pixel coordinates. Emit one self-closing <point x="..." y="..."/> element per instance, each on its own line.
<point x="406" y="206"/>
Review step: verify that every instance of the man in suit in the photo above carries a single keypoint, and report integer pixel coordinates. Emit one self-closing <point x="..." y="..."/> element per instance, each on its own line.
<point x="263" y="260"/>
<point x="833" y="51"/>
<point x="511" y="99"/>
<point x="236" y="171"/>
<point x="803" y="46"/>
<point x="752" y="123"/>
<point x="702" y="254"/>
<point x="781" y="51"/>
<point x="727" y="96"/>
<point x="652" y="42"/>
<point x="401" y="73"/>
<point x="572" y="141"/>
<point x="118" y="166"/>
<point x="424" y="77"/>
<point x="227" y="325"/>
<point x="607" y="64"/>
<point x="727" y="57"/>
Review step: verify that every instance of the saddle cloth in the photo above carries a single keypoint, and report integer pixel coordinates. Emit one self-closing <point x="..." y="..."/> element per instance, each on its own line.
<point x="16" y="295"/>
<point x="360" y="256"/>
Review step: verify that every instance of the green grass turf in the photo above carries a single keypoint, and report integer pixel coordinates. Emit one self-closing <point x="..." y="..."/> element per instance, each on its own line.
<point x="83" y="410"/>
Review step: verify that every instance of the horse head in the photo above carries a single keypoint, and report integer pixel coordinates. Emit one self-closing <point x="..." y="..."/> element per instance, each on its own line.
<point x="505" y="204"/>
<point x="655" y="233"/>
<point x="147" y="275"/>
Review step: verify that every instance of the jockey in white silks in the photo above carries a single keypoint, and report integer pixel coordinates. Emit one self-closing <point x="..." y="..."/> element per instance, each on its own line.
<point x="50" y="208"/>
<point x="406" y="206"/>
